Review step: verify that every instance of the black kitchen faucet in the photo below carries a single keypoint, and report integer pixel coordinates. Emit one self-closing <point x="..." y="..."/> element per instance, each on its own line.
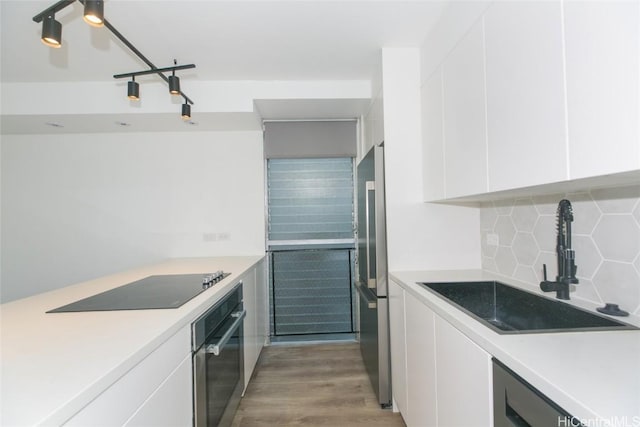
<point x="566" y="256"/>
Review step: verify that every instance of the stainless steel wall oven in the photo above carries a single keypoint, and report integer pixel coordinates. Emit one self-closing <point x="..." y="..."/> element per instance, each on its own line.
<point x="218" y="362"/>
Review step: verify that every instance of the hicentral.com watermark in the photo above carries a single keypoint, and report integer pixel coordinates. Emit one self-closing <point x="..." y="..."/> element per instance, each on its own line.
<point x="625" y="421"/>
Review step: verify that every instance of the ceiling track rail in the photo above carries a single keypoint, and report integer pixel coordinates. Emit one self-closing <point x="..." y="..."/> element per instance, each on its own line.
<point x="153" y="68"/>
<point x="58" y="6"/>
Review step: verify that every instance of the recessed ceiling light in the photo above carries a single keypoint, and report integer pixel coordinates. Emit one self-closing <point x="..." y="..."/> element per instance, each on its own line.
<point x="54" y="124"/>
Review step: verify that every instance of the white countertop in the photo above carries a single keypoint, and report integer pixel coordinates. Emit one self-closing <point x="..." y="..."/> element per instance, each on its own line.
<point x="595" y="376"/>
<point x="53" y="364"/>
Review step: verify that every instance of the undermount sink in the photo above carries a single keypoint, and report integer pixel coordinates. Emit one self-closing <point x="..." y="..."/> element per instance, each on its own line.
<point x="509" y="310"/>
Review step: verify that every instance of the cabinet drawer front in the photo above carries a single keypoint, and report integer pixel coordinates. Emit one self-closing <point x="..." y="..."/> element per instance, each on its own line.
<point x="120" y="401"/>
<point x="171" y="404"/>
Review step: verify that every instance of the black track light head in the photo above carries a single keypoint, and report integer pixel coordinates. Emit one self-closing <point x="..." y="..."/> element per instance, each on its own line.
<point x="94" y="13"/>
<point x="133" y="90"/>
<point x="186" y="111"/>
<point x="174" y="84"/>
<point x="51" y="32"/>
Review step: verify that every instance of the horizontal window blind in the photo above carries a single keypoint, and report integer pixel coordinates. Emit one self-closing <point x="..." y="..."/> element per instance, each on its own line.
<point x="306" y="139"/>
<point x="312" y="292"/>
<point x="310" y="199"/>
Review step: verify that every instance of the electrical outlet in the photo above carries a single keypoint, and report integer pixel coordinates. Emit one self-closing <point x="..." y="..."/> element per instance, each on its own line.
<point x="216" y="237"/>
<point x="209" y="237"/>
<point x="493" y="239"/>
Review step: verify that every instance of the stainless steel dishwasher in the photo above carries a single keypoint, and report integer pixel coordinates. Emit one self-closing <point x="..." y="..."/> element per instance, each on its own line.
<point x="218" y="361"/>
<point x="517" y="403"/>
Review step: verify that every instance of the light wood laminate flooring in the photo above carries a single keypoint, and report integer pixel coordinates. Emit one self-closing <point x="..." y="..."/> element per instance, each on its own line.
<point x="312" y="385"/>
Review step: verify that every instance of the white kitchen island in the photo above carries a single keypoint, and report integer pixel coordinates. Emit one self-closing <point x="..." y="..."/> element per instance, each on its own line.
<point x="56" y="365"/>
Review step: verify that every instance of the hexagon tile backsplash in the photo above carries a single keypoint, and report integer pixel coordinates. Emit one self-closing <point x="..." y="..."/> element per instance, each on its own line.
<point x="519" y="236"/>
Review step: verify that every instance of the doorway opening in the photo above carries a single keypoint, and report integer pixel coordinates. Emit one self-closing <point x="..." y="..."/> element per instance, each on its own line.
<point x="310" y="236"/>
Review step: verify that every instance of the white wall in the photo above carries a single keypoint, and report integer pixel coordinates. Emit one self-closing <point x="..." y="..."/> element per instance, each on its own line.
<point x="420" y="235"/>
<point x="75" y="207"/>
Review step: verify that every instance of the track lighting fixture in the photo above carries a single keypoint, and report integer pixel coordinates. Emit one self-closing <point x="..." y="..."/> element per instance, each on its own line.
<point x="94" y="12"/>
<point x="174" y="81"/>
<point x="174" y="84"/>
<point x="52" y="29"/>
<point x="94" y="15"/>
<point x="133" y="89"/>
<point x="186" y="111"/>
<point x="51" y="32"/>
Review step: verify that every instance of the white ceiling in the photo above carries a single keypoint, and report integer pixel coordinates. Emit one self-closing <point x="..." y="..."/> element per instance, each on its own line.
<point x="264" y="40"/>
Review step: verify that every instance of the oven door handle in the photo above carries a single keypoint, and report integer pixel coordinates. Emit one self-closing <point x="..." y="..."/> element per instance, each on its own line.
<point x="217" y="347"/>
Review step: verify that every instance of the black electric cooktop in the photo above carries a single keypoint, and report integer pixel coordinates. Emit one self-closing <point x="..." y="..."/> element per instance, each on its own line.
<point x="153" y="292"/>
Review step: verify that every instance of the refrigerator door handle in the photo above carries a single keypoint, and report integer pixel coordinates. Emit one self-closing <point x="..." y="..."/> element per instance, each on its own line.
<point x="371" y="301"/>
<point x="371" y="188"/>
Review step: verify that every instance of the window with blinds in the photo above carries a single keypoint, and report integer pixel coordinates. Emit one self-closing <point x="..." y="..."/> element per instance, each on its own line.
<point x="312" y="292"/>
<point x="310" y="199"/>
<point x="311" y="239"/>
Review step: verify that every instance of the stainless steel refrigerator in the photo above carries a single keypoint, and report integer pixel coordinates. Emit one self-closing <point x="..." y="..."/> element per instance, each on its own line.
<point x="372" y="273"/>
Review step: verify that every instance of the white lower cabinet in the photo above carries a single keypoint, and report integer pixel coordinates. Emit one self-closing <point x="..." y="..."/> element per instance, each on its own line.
<point x="254" y="294"/>
<point x="157" y="388"/>
<point x="421" y="364"/>
<point x="464" y="379"/>
<point x="158" y="391"/>
<point x="398" y="344"/>
<point x="446" y="378"/>
<point x="171" y="404"/>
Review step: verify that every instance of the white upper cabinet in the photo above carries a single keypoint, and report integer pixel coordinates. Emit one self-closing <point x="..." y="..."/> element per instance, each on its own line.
<point x="534" y="93"/>
<point x="433" y="142"/>
<point x="602" y="46"/>
<point x="526" y="120"/>
<point x="373" y="132"/>
<point x="465" y="147"/>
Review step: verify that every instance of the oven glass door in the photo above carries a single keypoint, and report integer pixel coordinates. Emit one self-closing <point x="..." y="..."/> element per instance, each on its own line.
<point x="219" y="375"/>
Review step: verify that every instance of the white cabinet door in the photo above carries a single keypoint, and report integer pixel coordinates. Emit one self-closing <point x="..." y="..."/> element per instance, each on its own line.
<point x="440" y="377"/>
<point x="160" y="370"/>
<point x="465" y="136"/>
<point x="398" y="343"/>
<point x="421" y="365"/>
<point x="262" y="306"/>
<point x="602" y="47"/>
<point x="250" y="329"/>
<point x="526" y="120"/>
<point x="171" y="404"/>
<point x="464" y="386"/>
<point x="432" y="138"/>
<point x="376" y="124"/>
<point x="254" y="288"/>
